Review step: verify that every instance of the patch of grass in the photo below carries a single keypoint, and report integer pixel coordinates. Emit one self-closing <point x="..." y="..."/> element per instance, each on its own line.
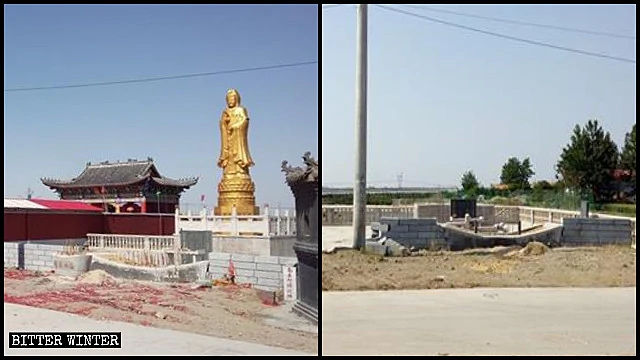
<point x="619" y="209"/>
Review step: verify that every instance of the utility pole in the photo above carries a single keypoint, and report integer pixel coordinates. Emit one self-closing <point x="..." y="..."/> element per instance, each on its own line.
<point x="360" y="184"/>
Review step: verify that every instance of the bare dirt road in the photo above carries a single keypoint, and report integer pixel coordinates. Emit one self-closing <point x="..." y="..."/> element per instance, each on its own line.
<point x="613" y="266"/>
<point x="229" y="312"/>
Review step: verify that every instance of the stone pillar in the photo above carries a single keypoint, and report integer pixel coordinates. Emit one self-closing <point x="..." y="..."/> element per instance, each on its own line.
<point x="304" y="185"/>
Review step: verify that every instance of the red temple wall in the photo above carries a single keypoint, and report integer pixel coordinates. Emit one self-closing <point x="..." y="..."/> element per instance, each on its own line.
<point x="139" y="224"/>
<point x="54" y="225"/>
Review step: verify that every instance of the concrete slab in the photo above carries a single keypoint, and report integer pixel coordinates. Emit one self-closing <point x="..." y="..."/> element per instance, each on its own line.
<point x="284" y="317"/>
<point x="480" y="322"/>
<point x="339" y="237"/>
<point x="136" y="339"/>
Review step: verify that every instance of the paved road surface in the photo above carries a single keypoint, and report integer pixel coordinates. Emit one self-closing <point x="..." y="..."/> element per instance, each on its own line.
<point x="136" y="340"/>
<point x="480" y="322"/>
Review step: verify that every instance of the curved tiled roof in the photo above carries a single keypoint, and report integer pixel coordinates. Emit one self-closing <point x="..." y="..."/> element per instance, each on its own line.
<point x="120" y="173"/>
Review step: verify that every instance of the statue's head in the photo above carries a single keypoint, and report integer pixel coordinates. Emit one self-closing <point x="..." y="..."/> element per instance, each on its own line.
<point x="233" y="98"/>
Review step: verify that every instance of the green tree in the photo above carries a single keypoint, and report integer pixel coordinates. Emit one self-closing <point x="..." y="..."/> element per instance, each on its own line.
<point x="542" y="185"/>
<point x="628" y="156"/>
<point x="470" y="184"/>
<point x="516" y="173"/>
<point x="587" y="162"/>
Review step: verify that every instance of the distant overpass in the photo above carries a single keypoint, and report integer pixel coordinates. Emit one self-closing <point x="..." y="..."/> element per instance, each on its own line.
<point x="389" y="190"/>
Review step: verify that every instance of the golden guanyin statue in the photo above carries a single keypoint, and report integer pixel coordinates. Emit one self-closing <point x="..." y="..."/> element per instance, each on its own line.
<point x="236" y="187"/>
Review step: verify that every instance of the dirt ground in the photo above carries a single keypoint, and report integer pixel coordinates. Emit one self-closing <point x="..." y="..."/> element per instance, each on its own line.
<point x="533" y="266"/>
<point x="226" y="312"/>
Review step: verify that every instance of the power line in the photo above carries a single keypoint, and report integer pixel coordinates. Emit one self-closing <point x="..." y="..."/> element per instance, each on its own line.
<point x="508" y="21"/>
<point x="531" y="42"/>
<point x="271" y="67"/>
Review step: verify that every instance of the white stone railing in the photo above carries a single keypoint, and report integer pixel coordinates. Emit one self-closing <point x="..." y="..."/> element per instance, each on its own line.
<point x="133" y="242"/>
<point x="270" y="223"/>
<point x="141" y="250"/>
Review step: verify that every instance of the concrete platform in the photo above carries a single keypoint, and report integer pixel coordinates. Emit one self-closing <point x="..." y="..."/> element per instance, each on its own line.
<point x="339" y="237"/>
<point x="480" y="322"/>
<point x="136" y="339"/>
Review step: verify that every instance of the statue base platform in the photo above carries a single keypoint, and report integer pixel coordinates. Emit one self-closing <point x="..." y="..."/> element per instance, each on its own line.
<point x="236" y="192"/>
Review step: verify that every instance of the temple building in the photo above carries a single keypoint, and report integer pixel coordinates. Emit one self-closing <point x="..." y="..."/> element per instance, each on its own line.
<point x="123" y="187"/>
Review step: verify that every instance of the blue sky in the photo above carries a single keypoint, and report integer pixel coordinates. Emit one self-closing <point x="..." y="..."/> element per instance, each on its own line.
<point x="443" y="100"/>
<point x="54" y="133"/>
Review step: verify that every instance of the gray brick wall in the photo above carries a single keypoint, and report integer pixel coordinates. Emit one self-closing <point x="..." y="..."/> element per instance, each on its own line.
<point x="417" y="233"/>
<point x="582" y="231"/>
<point x="263" y="272"/>
<point x="442" y="212"/>
<point x="343" y="216"/>
<point x="11" y="254"/>
<point x="31" y="256"/>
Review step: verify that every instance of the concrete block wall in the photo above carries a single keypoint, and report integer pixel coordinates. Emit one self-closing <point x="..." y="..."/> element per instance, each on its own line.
<point x="263" y="272"/>
<point x="417" y="233"/>
<point x="338" y="215"/>
<point x="11" y="254"/>
<point x="442" y="212"/>
<point x="506" y="214"/>
<point x="255" y="246"/>
<point x="30" y="256"/>
<point x="582" y="231"/>
<point x="282" y="246"/>
<point x="197" y="240"/>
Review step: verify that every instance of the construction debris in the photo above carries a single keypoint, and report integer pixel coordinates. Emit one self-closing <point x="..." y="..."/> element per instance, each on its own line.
<point x="97" y="277"/>
<point x="533" y="248"/>
<point x="386" y="247"/>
